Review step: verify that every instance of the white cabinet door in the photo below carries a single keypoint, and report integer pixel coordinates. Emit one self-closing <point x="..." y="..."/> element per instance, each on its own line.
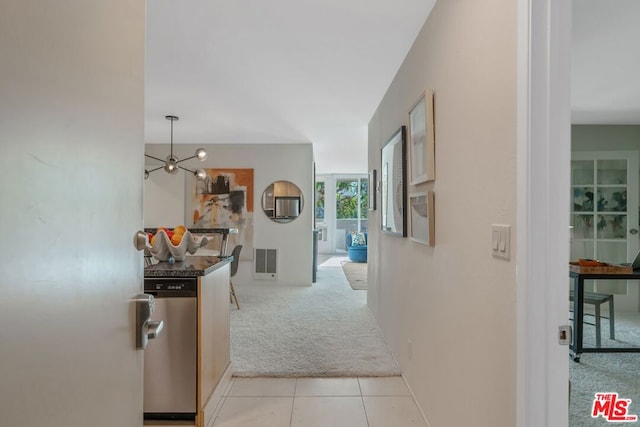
<point x="604" y="215"/>
<point x="72" y="139"/>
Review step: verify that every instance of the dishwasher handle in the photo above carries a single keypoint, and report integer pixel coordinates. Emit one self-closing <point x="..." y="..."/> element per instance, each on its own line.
<point x="146" y="328"/>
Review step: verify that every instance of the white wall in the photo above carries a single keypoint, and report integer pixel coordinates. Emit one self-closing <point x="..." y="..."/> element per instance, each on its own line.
<point x="455" y="302"/>
<point x="165" y="200"/>
<point x="605" y="137"/>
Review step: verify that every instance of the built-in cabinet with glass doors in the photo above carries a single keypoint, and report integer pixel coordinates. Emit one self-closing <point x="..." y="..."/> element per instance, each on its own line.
<point x="604" y="211"/>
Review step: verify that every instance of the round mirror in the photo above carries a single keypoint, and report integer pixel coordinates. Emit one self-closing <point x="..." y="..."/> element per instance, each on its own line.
<point x="282" y="201"/>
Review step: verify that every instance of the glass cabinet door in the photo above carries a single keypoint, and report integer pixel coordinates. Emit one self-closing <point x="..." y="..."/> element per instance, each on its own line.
<point x="604" y="213"/>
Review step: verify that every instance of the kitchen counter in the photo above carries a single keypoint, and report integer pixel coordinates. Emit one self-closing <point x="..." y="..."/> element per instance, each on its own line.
<point x="204" y="320"/>
<point x="192" y="266"/>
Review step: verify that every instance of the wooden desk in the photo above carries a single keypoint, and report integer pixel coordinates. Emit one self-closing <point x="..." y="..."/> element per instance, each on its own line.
<point x="578" y="313"/>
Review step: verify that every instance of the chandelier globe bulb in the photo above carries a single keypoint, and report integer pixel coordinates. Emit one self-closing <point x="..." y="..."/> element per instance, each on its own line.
<point x="201" y="154"/>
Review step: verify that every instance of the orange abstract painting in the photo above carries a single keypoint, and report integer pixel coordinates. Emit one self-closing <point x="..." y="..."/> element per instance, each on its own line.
<point x="224" y="199"/>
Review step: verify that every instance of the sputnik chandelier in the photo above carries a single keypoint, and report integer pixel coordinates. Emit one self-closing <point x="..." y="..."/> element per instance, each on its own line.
<point x="171" y="165"/>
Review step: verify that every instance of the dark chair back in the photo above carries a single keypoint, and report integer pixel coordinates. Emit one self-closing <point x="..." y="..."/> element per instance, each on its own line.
<point x="236" y="258"/>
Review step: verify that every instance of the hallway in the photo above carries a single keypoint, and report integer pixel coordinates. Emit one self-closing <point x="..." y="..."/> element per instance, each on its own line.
<point x="323" y="330"/>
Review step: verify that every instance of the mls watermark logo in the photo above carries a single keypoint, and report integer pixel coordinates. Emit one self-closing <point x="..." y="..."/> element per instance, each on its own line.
<point x="612" y="408"/>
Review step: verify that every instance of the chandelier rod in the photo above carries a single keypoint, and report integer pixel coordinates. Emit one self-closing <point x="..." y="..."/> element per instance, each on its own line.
<point x="156" y="169"/>
<point x="154" y="158"/>
<point x="188" y="170"/>
<point x="188" y="158"/>
<point x="172" y="119"/>
<point x="179" y="161"/>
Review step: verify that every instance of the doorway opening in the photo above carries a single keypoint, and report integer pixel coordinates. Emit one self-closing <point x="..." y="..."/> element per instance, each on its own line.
<point x="341" y="211"/>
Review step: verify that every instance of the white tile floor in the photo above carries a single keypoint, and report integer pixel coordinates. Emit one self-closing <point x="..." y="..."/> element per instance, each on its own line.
<point x="322" y="402"/>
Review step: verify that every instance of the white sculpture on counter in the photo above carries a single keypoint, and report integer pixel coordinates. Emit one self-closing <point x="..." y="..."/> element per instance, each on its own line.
<point x="162" y="247"/>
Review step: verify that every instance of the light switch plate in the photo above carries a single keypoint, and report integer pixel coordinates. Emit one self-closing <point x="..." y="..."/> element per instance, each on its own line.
<point x="501" y="241"/>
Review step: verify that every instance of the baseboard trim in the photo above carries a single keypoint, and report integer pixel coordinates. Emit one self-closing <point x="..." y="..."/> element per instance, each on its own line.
<point x="413" y="396"/>
<point x="212" y="407"/>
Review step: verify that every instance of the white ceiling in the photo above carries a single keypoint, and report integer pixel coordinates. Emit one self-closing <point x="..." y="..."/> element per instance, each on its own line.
<point x="285" y="71"/>
<point x="605" y="77"/>
<point x="279" y="71"/>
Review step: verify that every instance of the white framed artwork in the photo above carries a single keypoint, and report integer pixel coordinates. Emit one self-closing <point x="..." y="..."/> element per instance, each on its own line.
<point x="422" y="140"/>
<point x="422" y="220"/>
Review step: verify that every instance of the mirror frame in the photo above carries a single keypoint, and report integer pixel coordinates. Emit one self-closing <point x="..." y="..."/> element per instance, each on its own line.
<point x="270" y="202"/>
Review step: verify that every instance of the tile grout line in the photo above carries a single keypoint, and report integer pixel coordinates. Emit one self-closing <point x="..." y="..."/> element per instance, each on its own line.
<point x="364" y="407"/>
<point x="293" y="402"/>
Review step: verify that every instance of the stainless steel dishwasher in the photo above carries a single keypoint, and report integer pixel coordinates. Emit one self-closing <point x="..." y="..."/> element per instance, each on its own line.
<point x="170" y="361"/>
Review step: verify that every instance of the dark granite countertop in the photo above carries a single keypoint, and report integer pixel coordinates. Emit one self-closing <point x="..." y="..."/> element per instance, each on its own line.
<point x="202" y="230"/>
<point x="192" y="266"/>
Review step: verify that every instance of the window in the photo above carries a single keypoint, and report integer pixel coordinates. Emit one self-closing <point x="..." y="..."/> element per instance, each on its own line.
<point x="364" y="197"/>
<point x="351" y="203"/>
<point x="320" y="201"/>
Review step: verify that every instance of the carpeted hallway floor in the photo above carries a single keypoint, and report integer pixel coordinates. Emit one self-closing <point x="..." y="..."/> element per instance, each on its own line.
<point x="320" y="330"/>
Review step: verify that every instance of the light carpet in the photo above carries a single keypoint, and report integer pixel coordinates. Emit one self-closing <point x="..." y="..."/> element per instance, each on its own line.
<point x="606" y="372"/>
<point x="356" y="273"/>
<point x="295" y="331"/>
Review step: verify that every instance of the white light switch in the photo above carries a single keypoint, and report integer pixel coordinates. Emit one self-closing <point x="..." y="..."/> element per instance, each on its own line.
<point x="501" y="241"/>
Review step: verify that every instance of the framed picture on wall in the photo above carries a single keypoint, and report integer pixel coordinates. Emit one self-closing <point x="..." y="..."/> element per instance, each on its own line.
<point x="224" y="199"/>
<point x="421" y="213"/>
<point x="372" y="190"/>
<point x="393" y="188"/>
<point x="422" y="140"/>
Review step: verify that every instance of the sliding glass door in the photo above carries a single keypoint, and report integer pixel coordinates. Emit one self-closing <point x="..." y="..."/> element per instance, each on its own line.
<point x="340" y="207"/>
<point x="351" y="204"/>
